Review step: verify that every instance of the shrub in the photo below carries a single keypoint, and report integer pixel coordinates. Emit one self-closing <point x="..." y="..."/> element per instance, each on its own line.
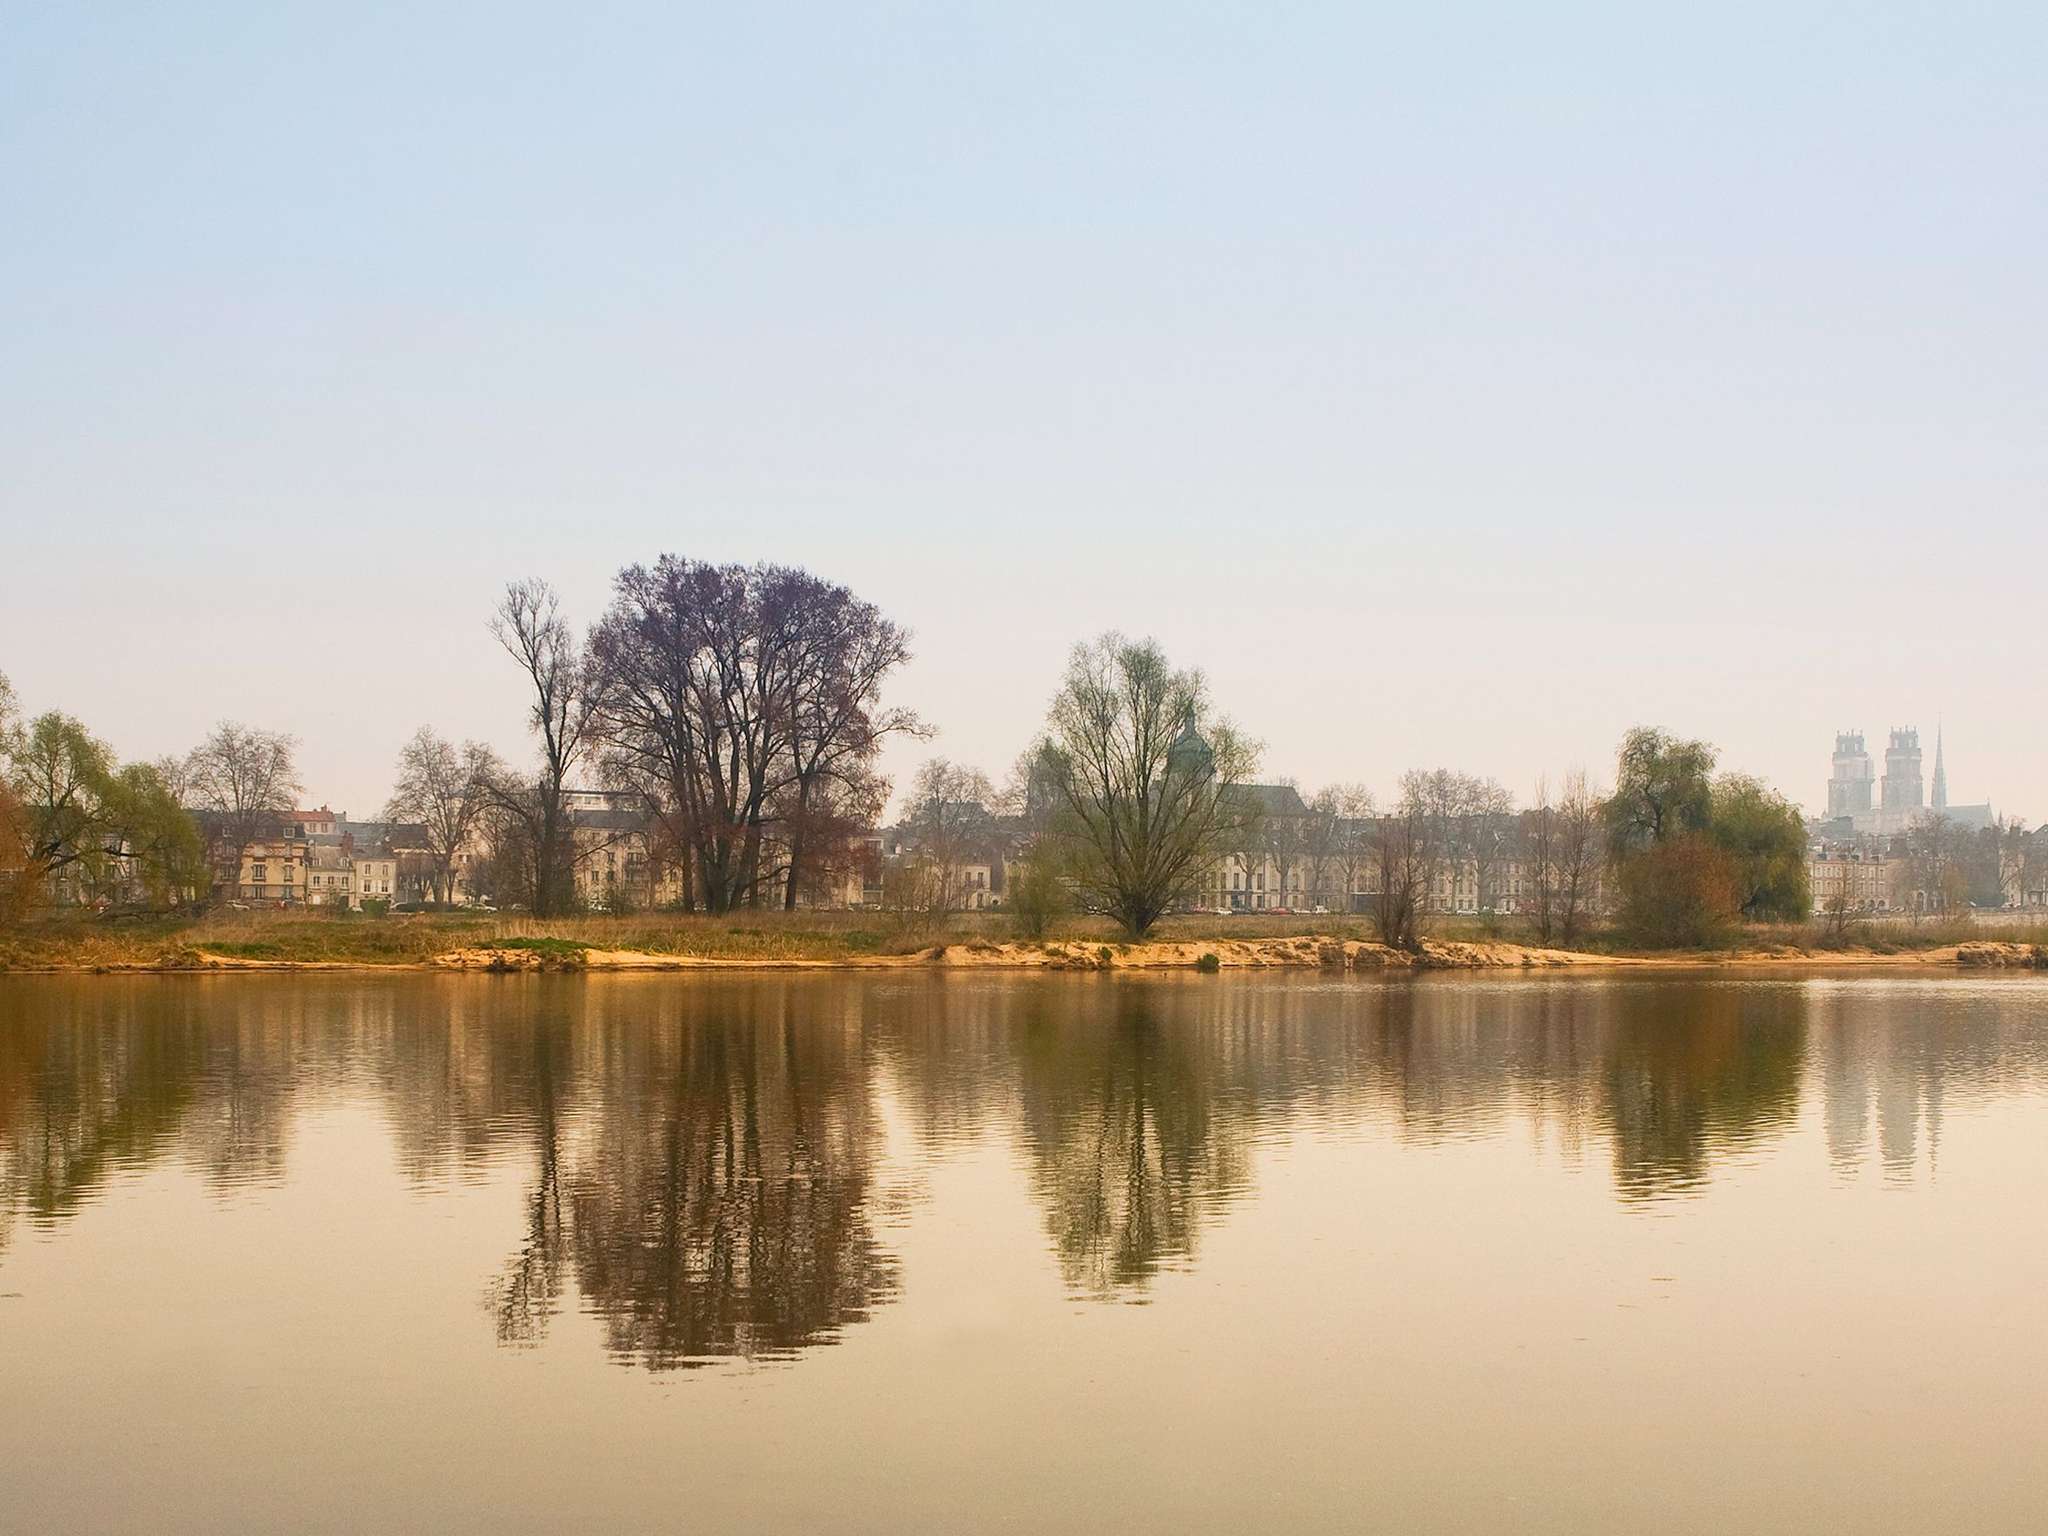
<point x="1209" y="964"/>
<point x="1678" y="894"/>
<point x="1038" y="895"/>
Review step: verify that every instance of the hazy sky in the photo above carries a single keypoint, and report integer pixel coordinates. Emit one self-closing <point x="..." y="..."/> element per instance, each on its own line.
<point x="1454" y="384"/>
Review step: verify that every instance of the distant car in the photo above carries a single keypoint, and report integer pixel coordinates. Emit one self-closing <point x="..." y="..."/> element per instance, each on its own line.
<point x="238" y="906"/>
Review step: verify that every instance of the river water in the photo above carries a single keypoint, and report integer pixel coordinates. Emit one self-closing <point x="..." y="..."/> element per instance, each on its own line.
<point x="939" y="1253"/>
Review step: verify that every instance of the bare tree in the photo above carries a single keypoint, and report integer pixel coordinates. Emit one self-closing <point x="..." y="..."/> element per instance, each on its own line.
<point x="445" y="789"/>
<point x="1540" y="838"/>
<point x="175" y="774"/>
<point x="947" y="821"/>
<point x="2034" y="868"/>
<point x="18" y="874"/>
<point x="1284" y="838"/>
<point x="1935" y="864"/>
<point x="1580" y="856"/>
<point x="529" y="625"/>
<point x="2015" y="847"/>
<point x="836" y="822"/>
<point x="1248" y="849"/>
<point x="1449" y="804"/>
<point x="1839" y="910"/>
<point x="1356" y="816"/>
<point x="10" y="708"/>
<point x="246" y="779"/>
<point x="1140" y="779"/>
<point x="1404" y="863"/>
<point x="1489" y="840"/>
<point x="1321" y="836"/>
<point x="696" y="666"/>
<point x="842" y="650"/>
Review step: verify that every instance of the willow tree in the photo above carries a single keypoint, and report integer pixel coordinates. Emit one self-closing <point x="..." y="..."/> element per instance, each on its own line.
<point x="72" y="813"/>
<point x="1139" y="774"/>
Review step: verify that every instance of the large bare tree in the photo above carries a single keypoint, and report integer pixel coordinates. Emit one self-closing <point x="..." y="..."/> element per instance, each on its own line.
<point x="246" y="779"/>
<point x="529" y="625"/>
<point x="446" y="790"/>
<point x="1140" y="771"/>
<point x="694" y="662"/>
<point x="745" y="701"/>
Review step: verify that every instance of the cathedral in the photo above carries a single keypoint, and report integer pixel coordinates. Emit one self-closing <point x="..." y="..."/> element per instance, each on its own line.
<point x="1894" y="803"/>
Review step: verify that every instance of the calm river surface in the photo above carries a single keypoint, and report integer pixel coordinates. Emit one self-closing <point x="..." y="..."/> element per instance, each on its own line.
<point x="1043" y="1254"/>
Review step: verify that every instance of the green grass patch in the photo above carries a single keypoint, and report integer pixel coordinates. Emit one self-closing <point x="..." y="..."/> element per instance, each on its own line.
<point x="543" y="946"/>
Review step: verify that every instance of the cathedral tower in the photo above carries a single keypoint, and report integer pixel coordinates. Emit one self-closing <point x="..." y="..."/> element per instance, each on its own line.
<point x="1904" y="789"/>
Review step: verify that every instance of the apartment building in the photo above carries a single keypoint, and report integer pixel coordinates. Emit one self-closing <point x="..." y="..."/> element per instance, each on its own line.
<point x="1854" y="878"/>
<point x="273" y="870"/>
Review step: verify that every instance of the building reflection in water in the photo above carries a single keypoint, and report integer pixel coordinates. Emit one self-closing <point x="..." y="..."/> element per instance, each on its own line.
<point x="703" y="1164"/>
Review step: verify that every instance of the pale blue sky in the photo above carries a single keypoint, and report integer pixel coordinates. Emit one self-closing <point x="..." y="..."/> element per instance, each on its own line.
<point x="1454" y="384"/>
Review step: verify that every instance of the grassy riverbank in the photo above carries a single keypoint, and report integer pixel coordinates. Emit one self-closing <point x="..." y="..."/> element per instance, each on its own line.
<point x="236" y="940"/>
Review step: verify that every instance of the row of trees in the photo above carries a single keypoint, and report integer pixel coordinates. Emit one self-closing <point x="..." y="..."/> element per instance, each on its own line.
<point x="742" y="705"/>
<point x="1140" y="793"/>
<point x="1445" y="836"/>
<point x="1136" y="790"/>
<point x="73" y="818"/>
<point x="1950" y="866"/>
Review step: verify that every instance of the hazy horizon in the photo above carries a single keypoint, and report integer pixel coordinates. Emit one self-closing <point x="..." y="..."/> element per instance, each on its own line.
<point x="1452" y="388"/>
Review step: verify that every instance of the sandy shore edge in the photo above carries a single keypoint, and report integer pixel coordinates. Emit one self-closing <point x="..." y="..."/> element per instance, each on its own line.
<point x="1306" y="952"/>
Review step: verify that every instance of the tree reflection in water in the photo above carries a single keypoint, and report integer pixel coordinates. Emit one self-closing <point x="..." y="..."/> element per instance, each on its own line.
<point x="1131" y="1144"/>
<point x="716" y="1199"/>
<point x="1701" y="1082"/>
<point x="700" y="1161"/>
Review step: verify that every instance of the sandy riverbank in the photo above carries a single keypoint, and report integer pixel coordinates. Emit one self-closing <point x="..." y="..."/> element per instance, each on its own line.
<point x="1300" y="953"/>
